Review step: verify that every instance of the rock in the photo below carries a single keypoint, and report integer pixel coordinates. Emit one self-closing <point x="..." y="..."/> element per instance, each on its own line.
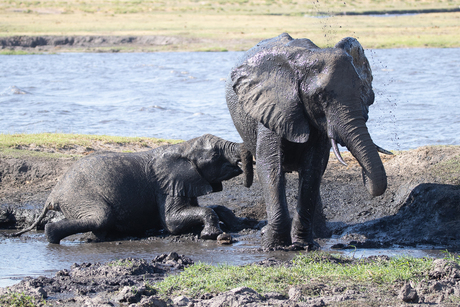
<point x="129" y="295"/>
<point x="151" y="301"/>
<point x="181" y="301"/>
<point x="408" y="294"/>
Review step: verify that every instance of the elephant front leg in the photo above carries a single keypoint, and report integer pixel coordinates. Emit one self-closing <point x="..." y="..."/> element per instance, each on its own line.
<point x="308" y="219"/>
<point x="272" y="179"/>
<point x="183" y="213"/>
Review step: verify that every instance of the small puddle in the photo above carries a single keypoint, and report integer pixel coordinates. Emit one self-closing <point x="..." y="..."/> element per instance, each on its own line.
<point x="32" y="255"/>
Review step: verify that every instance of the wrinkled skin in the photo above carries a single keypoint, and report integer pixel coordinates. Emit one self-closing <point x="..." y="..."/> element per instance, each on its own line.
<point x="290" y="102"/>
<point x="129" y="193"/>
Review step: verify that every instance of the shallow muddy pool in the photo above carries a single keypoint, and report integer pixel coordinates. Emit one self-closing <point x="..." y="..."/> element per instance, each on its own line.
<point x="33" y="256"/>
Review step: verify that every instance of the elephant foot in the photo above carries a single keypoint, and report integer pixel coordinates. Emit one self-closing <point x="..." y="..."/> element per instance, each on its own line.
<point x="273" y="239"/>
<point x="51" y="234"/>
<point x="210" y="232"/>
<point x="308" y="246"/>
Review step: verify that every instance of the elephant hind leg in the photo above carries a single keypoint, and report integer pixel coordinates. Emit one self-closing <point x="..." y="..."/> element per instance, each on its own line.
<point x="55" y="232"/>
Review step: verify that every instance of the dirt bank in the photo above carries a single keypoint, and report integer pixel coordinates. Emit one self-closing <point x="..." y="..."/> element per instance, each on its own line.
<point x="110" y="43"/>
<point x="419" y="207"/>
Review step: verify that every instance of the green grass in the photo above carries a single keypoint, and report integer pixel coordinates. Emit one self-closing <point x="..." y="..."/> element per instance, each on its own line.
<point x="19" y="145"/>
<point x="14" y="299"/>
<point x="203" y="278"/>
<point x="58" y="140"/>
<point x="14" y="52"/>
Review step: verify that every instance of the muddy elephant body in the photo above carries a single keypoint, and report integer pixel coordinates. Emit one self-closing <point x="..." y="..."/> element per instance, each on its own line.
<point x="129" y="193"/>
<point x="291" y="101"/>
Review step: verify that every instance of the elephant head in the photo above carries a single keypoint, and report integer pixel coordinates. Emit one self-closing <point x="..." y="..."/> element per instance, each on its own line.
<point x="293" y="87"/>
<point x="198" y="166"/>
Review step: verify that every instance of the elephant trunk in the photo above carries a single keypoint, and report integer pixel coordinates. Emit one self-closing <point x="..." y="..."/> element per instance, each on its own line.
<point x="231" y="151"/>
<point x="239" y="153"/>
<point x="247" y="167"/>
<point x="358" y="141"/>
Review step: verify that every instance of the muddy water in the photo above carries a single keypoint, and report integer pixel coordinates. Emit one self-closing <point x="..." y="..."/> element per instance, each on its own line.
<point x="33" y="256"/>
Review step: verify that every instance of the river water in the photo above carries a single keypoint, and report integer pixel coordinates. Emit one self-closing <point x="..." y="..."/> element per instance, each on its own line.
<point x="181" y="96"/>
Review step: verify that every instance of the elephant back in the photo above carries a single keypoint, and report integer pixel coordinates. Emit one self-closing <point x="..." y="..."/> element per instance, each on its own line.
<point x="269" y="43"/>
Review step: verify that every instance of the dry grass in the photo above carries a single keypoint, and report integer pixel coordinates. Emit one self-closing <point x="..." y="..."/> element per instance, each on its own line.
<point x="248" y="21"/>
<point x="233" y="7"/>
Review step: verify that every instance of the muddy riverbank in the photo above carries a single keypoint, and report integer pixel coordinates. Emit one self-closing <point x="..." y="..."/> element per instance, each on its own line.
<point x="124" y="43"/>
<point x="420" y="208"/>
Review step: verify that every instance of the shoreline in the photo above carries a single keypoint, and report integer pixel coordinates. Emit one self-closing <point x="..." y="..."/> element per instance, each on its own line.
<point x="117" y="43"/>
<point x="45" y="44"/>
<point x="423" y="184"/>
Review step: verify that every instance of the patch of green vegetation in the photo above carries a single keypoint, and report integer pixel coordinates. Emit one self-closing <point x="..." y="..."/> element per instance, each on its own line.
<point x="20" y="145"/>
<point x="15" y="52"/>
<point x="15" y="299"/>
<point x="203" y="278"/>
<point x="59" y="140"/>
<point x="19" y="153"/>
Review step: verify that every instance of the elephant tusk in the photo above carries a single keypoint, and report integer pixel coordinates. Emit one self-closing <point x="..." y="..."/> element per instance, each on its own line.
<point x="336" y="151"/>
<point x="384" y="151"/>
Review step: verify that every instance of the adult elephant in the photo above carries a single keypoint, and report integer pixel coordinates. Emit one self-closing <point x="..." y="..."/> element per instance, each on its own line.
<point x="290" y="102"/>
<point x="129" y="193"/>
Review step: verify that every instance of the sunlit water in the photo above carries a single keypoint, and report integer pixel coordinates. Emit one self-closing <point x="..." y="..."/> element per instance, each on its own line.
<point x="181" y="96"/>
<point x="34" y="257"/>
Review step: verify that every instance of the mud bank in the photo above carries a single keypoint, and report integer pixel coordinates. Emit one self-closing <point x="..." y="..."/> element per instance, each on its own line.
<point x="110" y="43"/>
<point x="420" y="207"/>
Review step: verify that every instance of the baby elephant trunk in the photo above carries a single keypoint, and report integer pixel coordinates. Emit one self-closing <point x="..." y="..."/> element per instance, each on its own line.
<point x="238" y="154"/>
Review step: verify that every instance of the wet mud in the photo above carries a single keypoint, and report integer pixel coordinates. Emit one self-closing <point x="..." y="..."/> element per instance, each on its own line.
<point x="419" y="208"/>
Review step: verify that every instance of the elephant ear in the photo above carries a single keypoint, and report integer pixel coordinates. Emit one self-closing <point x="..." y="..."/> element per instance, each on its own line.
<point x="178" y="176"/>
<point x="361" y="64"/>
<point x="267" y="86"/>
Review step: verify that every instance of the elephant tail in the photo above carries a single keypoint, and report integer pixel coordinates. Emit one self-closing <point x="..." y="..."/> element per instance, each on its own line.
<point x="247" y="166"/>
<point x="48" y="206"/>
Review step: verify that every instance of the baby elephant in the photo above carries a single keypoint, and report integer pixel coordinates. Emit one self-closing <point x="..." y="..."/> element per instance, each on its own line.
<point x="129" y="193"/>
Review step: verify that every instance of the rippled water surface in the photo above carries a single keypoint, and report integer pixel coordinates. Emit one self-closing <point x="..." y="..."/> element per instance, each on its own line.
<point x="181" y="95"/>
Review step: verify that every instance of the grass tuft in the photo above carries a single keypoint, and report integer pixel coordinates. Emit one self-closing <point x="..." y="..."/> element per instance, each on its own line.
<point x="14" y="299"/>
<point x="202" y="278"/>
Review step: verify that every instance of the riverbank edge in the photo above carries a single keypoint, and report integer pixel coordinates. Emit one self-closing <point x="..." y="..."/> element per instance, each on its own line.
<point x="433" y="290"/>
